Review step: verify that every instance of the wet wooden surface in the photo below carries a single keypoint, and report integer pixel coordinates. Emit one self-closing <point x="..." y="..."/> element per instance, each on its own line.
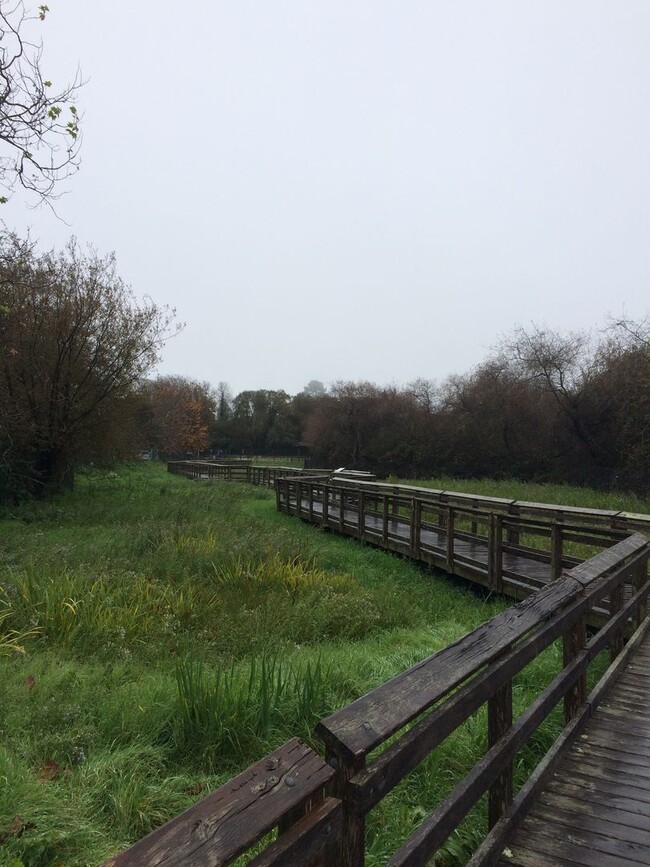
<point x="472" y="552"/>
<point x="595" y="811"/>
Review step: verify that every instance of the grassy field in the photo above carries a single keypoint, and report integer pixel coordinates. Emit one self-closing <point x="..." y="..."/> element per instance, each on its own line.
<point x="564" y="495"/>
<point x="174" y="632"/>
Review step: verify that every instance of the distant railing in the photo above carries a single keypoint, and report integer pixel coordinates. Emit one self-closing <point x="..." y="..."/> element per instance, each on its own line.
<point x="487" y="540"/>
<point x="241" y="471"/>
<point x="319" y="806"/>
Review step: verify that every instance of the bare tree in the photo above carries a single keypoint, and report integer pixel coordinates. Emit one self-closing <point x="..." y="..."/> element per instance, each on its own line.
<point x="565" y="365"/>
<point x="425" y="393"/>
<point x="39" y="124"/>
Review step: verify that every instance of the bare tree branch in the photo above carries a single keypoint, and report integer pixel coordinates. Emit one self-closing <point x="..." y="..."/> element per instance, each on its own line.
<point x="39" y="126"/>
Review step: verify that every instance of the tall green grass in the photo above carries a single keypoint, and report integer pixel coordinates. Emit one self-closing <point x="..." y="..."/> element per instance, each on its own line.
<point x="230" y="712"/>
<point x="565" y="495"/>
<point x="177" y="631"/>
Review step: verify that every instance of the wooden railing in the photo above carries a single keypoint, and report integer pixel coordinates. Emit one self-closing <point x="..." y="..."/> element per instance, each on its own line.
<point x="241" y="471"/>
<point x="319" y="807"/>
<point x="285" y="790"/>
<point x="437" y="696"/>
<point x="491" y="541"/>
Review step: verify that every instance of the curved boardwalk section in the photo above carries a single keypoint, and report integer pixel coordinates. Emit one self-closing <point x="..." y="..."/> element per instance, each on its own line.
<point x="509" y="546"/>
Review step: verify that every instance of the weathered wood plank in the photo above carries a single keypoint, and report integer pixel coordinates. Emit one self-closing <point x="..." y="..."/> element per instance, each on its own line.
<point x="576" y="818"/>
<point x="608" y="559"/>
<point x="593" y="850"/>
<point x="590" y="776"/>
<point x="599" y="809"/>
<point x="225" y="824"/>
<point x="367" y="722"/>
<point x="523" y="857"/>
<point x="313" y="839"/>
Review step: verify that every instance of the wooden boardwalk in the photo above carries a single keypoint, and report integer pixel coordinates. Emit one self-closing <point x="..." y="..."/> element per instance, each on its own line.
<point x="471" y="553"/>
<point x="595" y="810"/>
<point x="463" y="554"/>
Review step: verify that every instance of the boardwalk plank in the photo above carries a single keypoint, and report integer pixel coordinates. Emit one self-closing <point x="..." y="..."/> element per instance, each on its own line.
<point x="619" y="793"/>
<point x="521" y="856"/>
<point x="590" y="849"/>
<point x="600" y="772"/>
<point x="596" y="806"/>
<point x="575" y="818"/>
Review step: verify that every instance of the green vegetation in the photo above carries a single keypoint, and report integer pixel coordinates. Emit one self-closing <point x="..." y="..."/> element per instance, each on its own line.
<point x="175" y="632"/>
<point x="565" y="495"/>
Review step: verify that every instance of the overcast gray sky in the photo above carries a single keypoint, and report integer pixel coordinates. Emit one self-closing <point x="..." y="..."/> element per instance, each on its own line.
<point x="359" y="190"/>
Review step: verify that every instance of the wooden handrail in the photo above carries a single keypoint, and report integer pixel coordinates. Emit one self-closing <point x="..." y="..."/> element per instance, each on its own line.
<point x="286" y="788"/>
<point x="480" y="668"/>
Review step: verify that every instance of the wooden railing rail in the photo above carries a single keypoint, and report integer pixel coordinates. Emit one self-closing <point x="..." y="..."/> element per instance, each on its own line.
<point x="285" y="790"/>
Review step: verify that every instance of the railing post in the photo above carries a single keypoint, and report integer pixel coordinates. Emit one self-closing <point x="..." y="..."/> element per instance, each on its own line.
<point x="352" y="851"/>
<point x="326" y="504"/>
<point x="441" y="512"/>
<point x="288" y="495"/>
<point x="575" y="640"/>
<point x="617" y="640"/>
<point x="556" y="548"/>
<point x="638" y="580"/>
<point x="513" y="532"/>
<point x="495" y="552"/>
<point x="499" y="721"/>
<point x="450" y="538"/>
<point x="416" y="513"/>
<point x="473" y="528"/>
<point x="342" y="510"/>
<point x="361" y="507"/>
<point x="298" y="498"/>
<point x="384" y="529"/>
<point x="311" y="501"/>
<point x="395" y="504"/>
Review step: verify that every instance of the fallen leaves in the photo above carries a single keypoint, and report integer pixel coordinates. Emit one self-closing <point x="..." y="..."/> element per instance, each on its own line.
<point x="16" y="828"/>
<point x="49" y="771"/>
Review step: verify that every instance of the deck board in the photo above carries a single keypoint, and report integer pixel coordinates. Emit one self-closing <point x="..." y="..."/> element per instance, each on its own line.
<point x="598" y="801"/>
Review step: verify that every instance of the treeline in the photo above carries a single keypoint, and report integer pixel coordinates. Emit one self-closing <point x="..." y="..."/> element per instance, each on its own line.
<point x="544" y="406"/>
<point x="77" y="351"/>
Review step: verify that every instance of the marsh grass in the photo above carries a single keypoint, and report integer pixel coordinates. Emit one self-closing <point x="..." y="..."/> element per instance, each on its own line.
<point x="176" y="631"/>
<point x="237" y="711"/>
